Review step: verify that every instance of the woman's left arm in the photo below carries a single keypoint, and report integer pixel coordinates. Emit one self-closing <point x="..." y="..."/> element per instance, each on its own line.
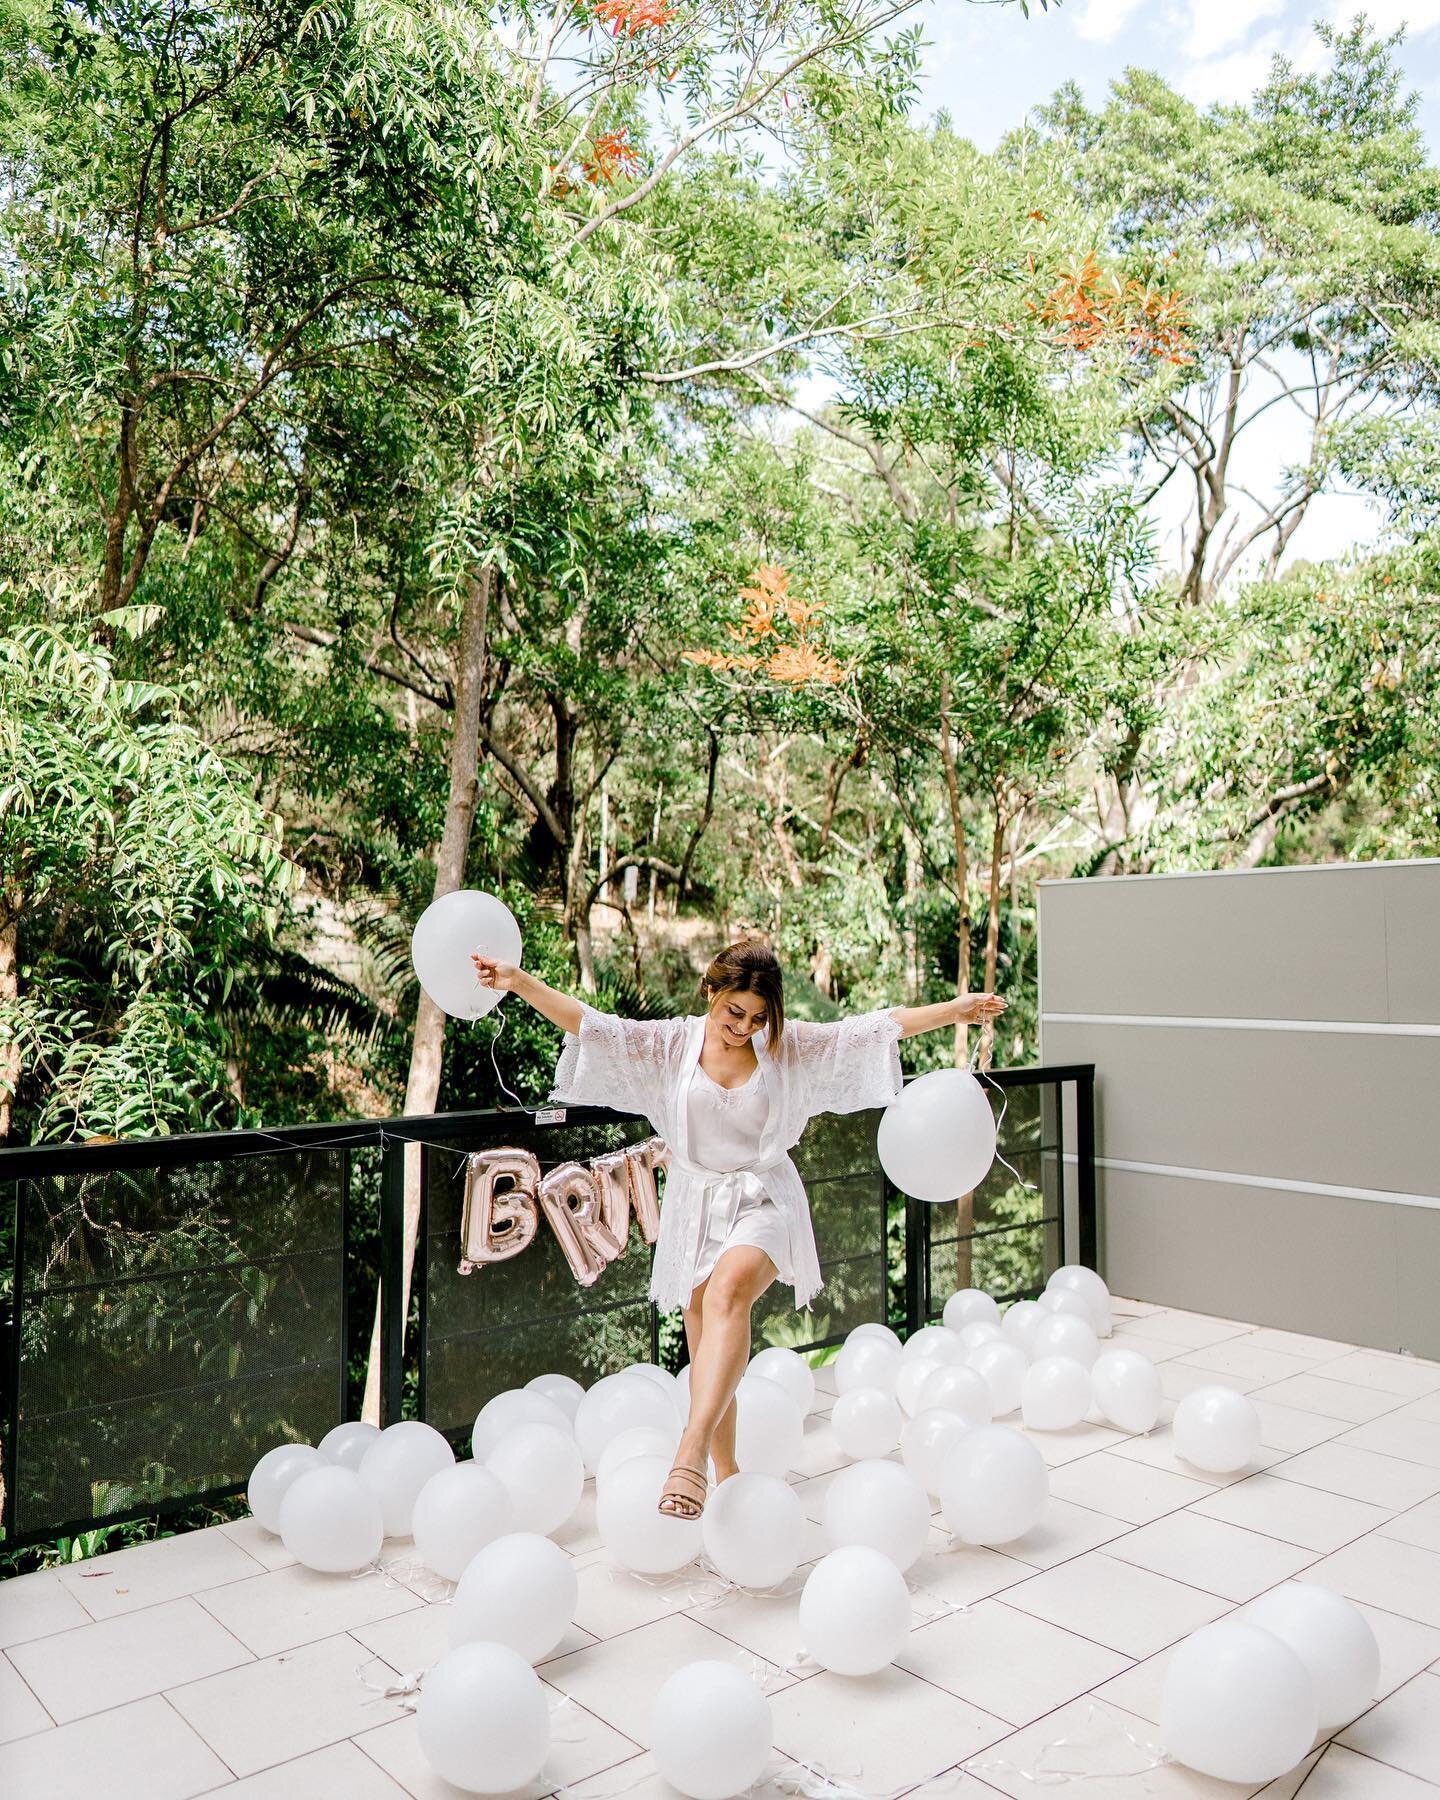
<point x="969" y="1009"/>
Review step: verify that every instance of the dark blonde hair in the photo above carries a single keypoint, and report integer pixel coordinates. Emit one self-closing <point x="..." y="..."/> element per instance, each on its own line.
<point x="750" y="967"/>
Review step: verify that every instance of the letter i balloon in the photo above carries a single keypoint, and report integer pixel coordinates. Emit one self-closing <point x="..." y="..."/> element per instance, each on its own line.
<point x="447" y="934"/>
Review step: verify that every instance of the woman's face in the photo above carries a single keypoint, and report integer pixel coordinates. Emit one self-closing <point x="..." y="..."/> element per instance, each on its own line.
<point x="738" y="1016"/>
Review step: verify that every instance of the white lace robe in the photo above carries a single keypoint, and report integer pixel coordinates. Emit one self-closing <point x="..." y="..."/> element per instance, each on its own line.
<point x="646" y="1066"/>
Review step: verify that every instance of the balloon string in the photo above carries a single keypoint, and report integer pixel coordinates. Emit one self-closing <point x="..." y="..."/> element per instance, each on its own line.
<point x="980" y="1075"/>
<point x="1084" y="1737"/>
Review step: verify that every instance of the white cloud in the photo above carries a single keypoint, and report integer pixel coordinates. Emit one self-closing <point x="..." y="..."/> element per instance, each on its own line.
<point x="1105" y="19"/>
<point x="1217" y="24"/>
<point x="1233" y="78"/>
<point x="1417" y="16"/>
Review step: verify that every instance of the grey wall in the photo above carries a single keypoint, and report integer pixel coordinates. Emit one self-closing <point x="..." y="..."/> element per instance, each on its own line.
<point x="1267" y="1052"/>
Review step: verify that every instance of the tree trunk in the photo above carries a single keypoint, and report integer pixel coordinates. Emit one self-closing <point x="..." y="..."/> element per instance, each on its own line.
<point x="423" y="1084"/>
<point x="909" y="936"/>
<point x="9" y="994"/>
<point x="992" y="934"/>
<point x="965" y="1206"/>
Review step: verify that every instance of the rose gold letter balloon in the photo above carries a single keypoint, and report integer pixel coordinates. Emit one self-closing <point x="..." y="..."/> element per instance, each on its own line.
<point x="571" y="1202"/>
<point x="612" y="1179"/>
<point x="645" y="1161"/>
<point x="498" y="1224"/>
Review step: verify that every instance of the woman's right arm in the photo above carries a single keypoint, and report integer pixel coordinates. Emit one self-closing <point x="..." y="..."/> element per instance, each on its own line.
<point x="559" y="1008"/>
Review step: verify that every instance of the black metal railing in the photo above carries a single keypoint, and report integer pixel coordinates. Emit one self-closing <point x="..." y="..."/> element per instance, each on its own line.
<point x="171" y="1307"/>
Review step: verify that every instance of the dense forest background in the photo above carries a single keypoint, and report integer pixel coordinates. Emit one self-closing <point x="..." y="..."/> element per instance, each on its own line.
<point x="619" y="455"/>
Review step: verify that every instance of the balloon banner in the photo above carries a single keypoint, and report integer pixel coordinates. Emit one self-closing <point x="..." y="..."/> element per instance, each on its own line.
<point x="588" y="1206"/>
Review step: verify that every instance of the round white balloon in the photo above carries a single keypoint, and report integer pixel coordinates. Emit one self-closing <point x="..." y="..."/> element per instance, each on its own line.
<point x="1002" y="1368"/>
<point x="1332" y="1637"/>
<point x="448" y="932"/>
<point x="866" y="1422"/>
<point x="563" y="1390"/>
<point x="398" y="1464"/>
<point x="792" y="1372"/>
<point x="867" y="1361"/>
<point x="1018" y="1325"/>
<point x="543" y="1474"/>
<point x="871" y="1328"/>
<point x="769" y="1428"/>
<point x="970" y="1306"/>
<point x="329" y="1520"/>
<point x="854" y="1611"/>
<point x="957" y="1388"/>
<point x="937" y="1140"/>
<point x="1055" y="1394"/>
<point x="994" y="1486"/>
<point x="271" y="1476"/>
<point x="1066" y="1300"/>
<point x="926" y="1443"/>
<point x="482" y="1719"/>
<point x="516" y="1406"/>
<point x="631" y="1526"/>
<point x="936" y="1343"/>
<point x="911" y="1381"/>
<point x="520" y="1590"/>
<point x="1237" y="1703"/>
<point x="1216" y="1429"/>
<point x="981" y="1332"/>
<point x="614" y="1405"/>
<point x="710" y="1731"/>
<point x="1075" y="1278"/>
<point x="1062" y="1334"/>
<point x="753" y="1530"/>
<point x="880" y="1504"/>
<point x="640" y="1440"/>
<point x="1127" y="1389"/>
<point x="457" y="1513"/>
<point x="347" y="1444"/>
<point x="649" y="1371"/>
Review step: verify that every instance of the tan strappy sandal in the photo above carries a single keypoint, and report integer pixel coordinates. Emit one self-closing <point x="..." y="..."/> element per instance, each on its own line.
<point x="684" y="1493"/>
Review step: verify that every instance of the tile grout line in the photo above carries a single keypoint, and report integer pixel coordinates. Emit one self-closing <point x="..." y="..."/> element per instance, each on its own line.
<point x="24" y="1681"/>
<point x="200" y="1738"/>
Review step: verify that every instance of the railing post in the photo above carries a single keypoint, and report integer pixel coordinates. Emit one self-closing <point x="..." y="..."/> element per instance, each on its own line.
<point x="1085" y="1168"/>
<point x="392" y="1280"/>
<point x="12" y="1368"/>
<point x="915" y="1248"/>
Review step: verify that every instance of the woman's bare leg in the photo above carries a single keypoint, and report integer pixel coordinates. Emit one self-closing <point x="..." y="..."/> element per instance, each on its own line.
<point x="717" y="1327"/>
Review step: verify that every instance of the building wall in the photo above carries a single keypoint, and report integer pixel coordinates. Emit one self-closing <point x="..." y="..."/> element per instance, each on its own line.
<point x="1267" y="1052"/>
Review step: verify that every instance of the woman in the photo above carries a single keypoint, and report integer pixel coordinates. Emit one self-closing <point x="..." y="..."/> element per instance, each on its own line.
<point x="730" y="1091"/>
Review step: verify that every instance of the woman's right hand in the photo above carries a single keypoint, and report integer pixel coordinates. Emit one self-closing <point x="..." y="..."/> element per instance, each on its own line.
<point x="502" y="976"/>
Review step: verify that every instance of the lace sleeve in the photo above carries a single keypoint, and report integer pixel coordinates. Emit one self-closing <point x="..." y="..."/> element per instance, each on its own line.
<point x="849" y="1064"/>
<point x="613" y="1062"/>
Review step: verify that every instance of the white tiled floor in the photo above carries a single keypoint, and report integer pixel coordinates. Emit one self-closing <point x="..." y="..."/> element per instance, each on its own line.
<point x="212" y="1664"/>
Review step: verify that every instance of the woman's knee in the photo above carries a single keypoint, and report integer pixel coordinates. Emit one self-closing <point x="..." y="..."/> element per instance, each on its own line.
<point x="727" y="1296"/>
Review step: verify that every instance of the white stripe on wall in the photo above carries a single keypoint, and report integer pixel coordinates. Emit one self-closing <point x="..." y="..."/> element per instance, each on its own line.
<point x="1356" y="1026"/>
<point x="1385" y="1196"/>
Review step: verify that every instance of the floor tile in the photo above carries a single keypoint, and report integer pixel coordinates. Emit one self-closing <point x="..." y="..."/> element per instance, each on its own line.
<point x="126" y="1658"/>
<point x="1208" y="1554"/>
<point x="1065" y="1530"/>
<point x="143" y="1751"/>
<point x="1426" y="1407"/>
<point x="879" y="1732"/>
<point x="1411" y="1440"/>
<point x="1296" y="1343"/>
<point x="1241" y="1356"/>
<point x="1385" y="1573"/>
<point x="767" y="1625"/>
<point x="1339" y="1774"/>
<point x="1157" y="1450"/>
<point x="255" y="1541"/>
<point x="1361" y="1475"/>
<point x="285" y="1607"/>
<point x="1115" y="1604"/>
<point x="1314" y="1393"/>
<point x="287" y="1705"/>
<point x="1408" y="1376"/>
<point x="1007" y="1662"/>
<point x="412" y="1641"/>
<point x="1109" y="1754"/>
<point x="1061" y="1447"/>
<point x="612" y="1600"/>
<point x="338" y="1772"/>
<point x="1179" y="1379"/>
<point x="580" y="1747"/>
<point x="966" y="1573"/>
<point x="20" y="1712"/>
<point x="639" y="1779"/>
<point x="1292" y="1428"/>
<point x="1404" y="1730"/>
<point x="819" y="1452"/>
<point x="1123" y="1488"/>
<point x="578" y="1534"/>
<point x="164" y="1569"/>
<point x="1190" y="1329"/>
<point x="1310" y="1517"/>
<point x="1157" y="1349"/>
<point x="1420" y="1525"/>
<point x="33" y="1606"/>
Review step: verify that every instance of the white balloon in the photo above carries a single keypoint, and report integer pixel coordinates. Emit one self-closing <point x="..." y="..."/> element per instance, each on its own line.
<point x="994" y="1486"/>
<point x="753" y="1530"/>
<point x="682" y="1392"/>
<point x="1062" y="1334"/>
<point x="910" y="1383"/>
<point x="631" y="1526"/>
<point x="1002" y="1368"/>
<point x="1237" y="1703"/>
<point x="1018" y="1325"/>
<point x="330" y="1521"/>
<point x="935" y="1343"/>
<point x="398" y="1464"/>
<point x="1075" y="1278"/>
<point x="927" y="1441"/>
<point x="1332" y="1637"/>
<point x="937" y="1140"/>
<point x="957" y="1388"/>
<point x="457" y="1513"/>
<point x="866" y="1422"/>
<point x="792" y="1372"/>
<point x="1067" y="1300"/>
<point x="1055" y="1393"/>
<point x="563" y="1390"/>
<point x="880" y="1504"/>
<point x="652" y="1372"/>
<point x="710" y="1731"/>
<point x="520" y="1590"/>
<point x="854" y="1611"/>
<point x="347" y="1444"/>
<point x="483" y="1720"/>
<point x="271" y="1476"/>
<point x="1216" y="1429"/>
<point x="872" y="1328"/>
<point x="867" y="1361"/>
<point x="543" y="1474"/>
<point x="640" y="1440"/>
<point x="981" y="1332"/>
<point x="1127" y="1389"/>
<point x="516" y="1406"/>
<point x="970" y="1306"/>
<point x="614" y="1405"/>
<point x="769" y="1428"/>
<point x="448" y="932"/>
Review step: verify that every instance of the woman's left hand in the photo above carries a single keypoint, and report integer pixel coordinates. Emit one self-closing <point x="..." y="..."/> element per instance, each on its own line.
<point x="975" y="1009"/>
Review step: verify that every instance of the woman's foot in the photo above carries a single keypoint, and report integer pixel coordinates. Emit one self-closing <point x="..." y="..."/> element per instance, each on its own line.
<point x="684" y="1493"/>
